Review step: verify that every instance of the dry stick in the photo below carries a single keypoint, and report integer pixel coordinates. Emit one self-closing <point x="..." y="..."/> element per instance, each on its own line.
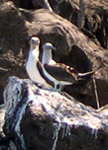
<point x="47" y="5"/>
<point x="43" y="3"/>
<point x="96" y="94"/>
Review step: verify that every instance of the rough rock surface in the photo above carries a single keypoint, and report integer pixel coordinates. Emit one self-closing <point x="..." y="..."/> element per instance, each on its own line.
<point x="74" y="48"/>
<point x="91" y="16"/>
<point x="81" y="40"/>
<point x="41" y="119"/>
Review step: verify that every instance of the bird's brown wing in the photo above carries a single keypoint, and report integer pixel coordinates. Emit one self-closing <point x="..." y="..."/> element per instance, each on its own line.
<point x="60" y="71"/>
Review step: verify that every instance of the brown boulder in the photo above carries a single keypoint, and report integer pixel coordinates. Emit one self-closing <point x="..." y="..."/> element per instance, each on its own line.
<point x="38" y="118"/>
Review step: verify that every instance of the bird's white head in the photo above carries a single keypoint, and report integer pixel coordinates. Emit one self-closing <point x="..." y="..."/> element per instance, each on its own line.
<point x="48" y="47"/>
<point x="47" y="53"/>
<point x="34" y="42"/>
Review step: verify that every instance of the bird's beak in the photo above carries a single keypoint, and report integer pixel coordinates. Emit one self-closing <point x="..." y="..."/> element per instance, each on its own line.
<point x="54" y="48"/>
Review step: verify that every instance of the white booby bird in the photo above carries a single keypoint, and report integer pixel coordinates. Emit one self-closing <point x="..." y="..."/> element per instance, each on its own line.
<point x="33" y="62"/>
<point x="60" y="74"/>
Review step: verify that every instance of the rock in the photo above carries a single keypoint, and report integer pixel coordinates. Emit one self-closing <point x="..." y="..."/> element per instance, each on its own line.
<point x="4" y="142"/>
<point x="74" y="48"/>
<point x="23" y="4"/>
<point x="38" y="118"/>
<point x="94" y="15"/>
<point x="13" y="39"/>
<point x="42" y="3"/>
<point x="94" y="19"/>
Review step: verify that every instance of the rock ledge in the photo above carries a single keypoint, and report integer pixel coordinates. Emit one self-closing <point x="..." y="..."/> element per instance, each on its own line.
<point x="42" y="119"/>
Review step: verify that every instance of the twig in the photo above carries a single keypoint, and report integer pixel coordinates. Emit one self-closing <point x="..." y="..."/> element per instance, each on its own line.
<point x="96" y="93"/>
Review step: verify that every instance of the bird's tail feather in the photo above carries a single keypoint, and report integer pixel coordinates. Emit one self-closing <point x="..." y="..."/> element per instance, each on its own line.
<point x="87" y="75"/>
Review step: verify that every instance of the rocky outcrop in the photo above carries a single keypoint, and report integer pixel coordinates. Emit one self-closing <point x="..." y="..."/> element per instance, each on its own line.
<point x="89" y="16"/>
<point x="74" y="48"/>
<point x="81" y="40"/>
<point x="39" y="118"/>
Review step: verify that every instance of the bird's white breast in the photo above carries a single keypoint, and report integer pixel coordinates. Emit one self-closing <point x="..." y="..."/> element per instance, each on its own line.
<point x="33" y="71"/>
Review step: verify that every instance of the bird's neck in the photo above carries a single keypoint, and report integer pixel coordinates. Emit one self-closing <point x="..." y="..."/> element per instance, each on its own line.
<point x="34" y="55"/>
<point x="46" y="57"/>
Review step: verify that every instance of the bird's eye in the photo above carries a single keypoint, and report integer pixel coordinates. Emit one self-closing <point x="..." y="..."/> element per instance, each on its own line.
<point x="34" y="41"/>
<point x="49" y="47"/>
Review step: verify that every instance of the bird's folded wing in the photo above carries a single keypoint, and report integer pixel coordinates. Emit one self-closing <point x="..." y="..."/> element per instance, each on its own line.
<point x="60" y="72"/>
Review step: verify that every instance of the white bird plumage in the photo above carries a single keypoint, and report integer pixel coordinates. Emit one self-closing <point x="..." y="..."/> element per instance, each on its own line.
<point x="33" y="58"/>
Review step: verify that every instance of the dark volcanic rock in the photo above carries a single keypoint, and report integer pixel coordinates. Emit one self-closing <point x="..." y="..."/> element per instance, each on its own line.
<point x="74" y="48"/>
<point x="90" y="16"/>
<point x="13" y="39"/>
<point x="41" y="119"/>
<point x="4" y="142"/>
<point x="42" y="122"/>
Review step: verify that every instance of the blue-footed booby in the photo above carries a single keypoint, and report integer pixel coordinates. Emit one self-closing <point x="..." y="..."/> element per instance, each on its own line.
<point x="60" y="74"/>
<point x="34" y="72"/>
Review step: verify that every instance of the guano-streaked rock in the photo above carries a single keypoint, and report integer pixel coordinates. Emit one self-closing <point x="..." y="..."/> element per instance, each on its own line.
<point x="41" y="119"/>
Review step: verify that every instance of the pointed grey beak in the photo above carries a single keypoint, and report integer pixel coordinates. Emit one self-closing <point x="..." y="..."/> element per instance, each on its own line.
<point x="54" y="48"/>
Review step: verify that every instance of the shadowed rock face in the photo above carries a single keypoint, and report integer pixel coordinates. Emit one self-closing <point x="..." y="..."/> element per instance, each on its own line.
<point x="13" y="39"/>
<point x="92" y="16"/>
<point x="73" y="48"/>
<point x="89" y="16"/>
<point x="38" y="118"/>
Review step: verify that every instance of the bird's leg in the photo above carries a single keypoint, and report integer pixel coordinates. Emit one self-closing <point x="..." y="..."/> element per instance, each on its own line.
<point x="55" y="87"/>
<point x="60" y="87"/>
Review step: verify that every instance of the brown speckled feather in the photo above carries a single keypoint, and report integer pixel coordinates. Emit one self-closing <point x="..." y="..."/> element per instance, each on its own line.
<point x="61" y="72"/>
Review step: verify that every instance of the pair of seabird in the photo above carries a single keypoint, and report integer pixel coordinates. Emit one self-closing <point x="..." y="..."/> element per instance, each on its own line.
<point x="48" y="72"/>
